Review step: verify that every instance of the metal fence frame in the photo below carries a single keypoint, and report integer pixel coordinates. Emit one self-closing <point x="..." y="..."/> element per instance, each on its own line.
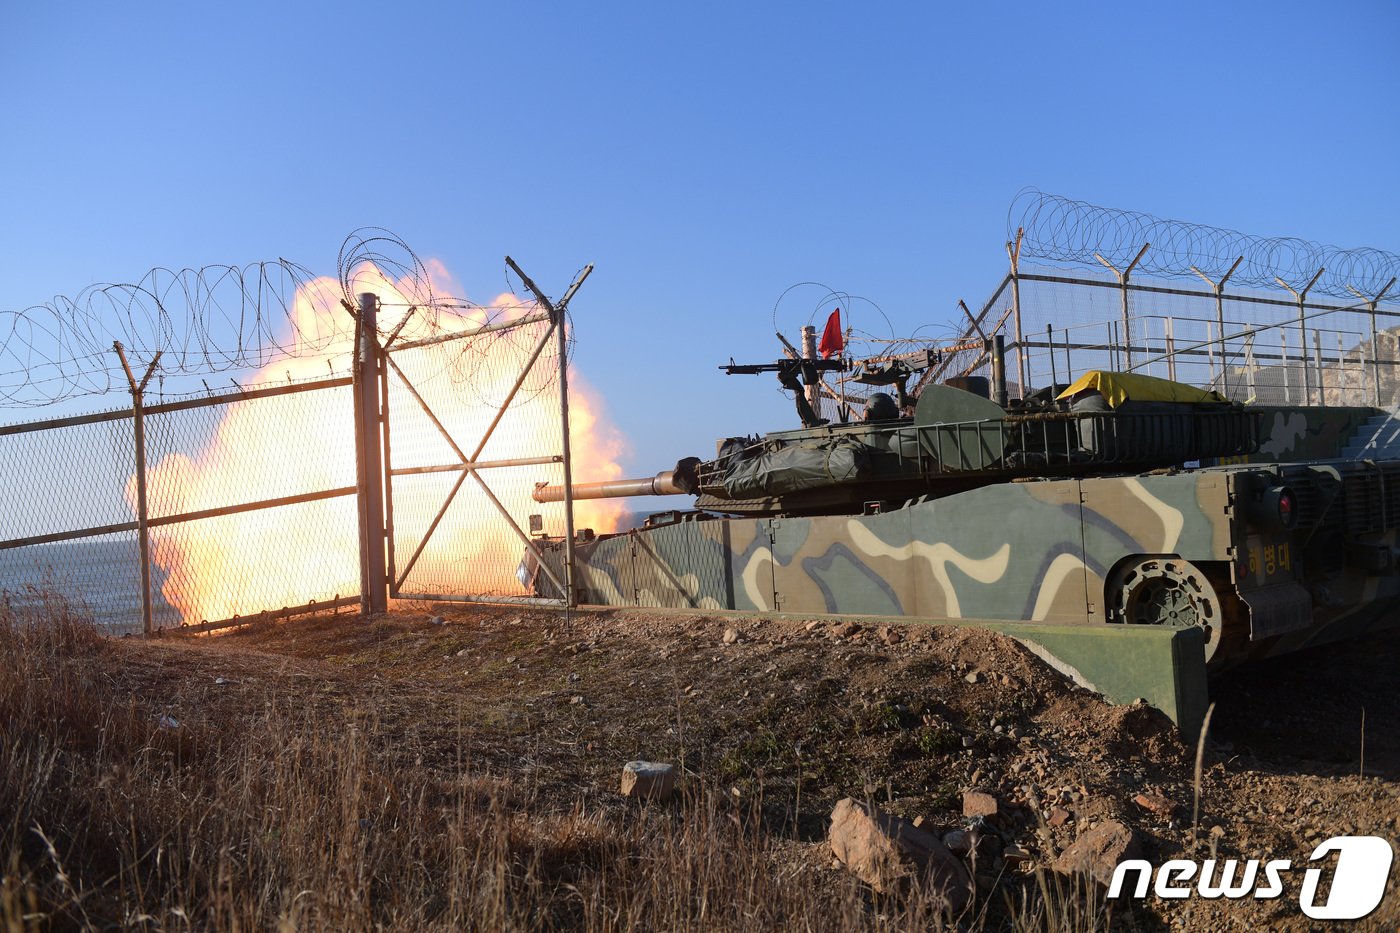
<point x="466" y="465"/>
<point x="143" y="522"/>
<point x="1223" y="349"/>
<point x="372" y="367"/>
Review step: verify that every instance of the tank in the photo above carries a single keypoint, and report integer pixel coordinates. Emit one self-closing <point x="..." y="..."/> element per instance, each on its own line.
<point x="1134" y="532"/>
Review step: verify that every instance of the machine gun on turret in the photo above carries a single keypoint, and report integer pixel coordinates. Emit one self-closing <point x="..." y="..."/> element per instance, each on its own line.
<point x="794" y="374"/>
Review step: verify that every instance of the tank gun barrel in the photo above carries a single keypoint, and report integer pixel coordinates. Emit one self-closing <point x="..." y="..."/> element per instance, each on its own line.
<point x="662" y="484"/>
<point x="681" y="481"/>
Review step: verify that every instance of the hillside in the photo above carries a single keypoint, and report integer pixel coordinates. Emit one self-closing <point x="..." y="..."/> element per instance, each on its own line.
<point x="458" y="766"/>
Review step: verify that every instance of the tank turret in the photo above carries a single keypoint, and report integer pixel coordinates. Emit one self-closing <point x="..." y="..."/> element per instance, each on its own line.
<point x="953" y="441"/>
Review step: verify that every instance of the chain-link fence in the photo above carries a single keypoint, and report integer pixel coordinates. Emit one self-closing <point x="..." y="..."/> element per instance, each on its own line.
<point x="368" y="455"/>
<point x="250" y="502"/>
<point x="474" y="428"/>
<point x="263" y="516"/>
<point x="1252" y="345"/>
<point x="66" y="523"/>
<point x="457" y="531"/>
<point x="250" y="507"/>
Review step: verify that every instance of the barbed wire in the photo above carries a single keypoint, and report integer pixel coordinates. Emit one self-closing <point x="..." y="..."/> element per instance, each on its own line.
<point x="224" y="318"/>
<point x="201" y="320"/>
<point x="1059" y="229"/>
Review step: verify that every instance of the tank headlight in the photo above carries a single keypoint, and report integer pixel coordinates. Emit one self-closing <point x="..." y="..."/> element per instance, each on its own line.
<point x="1287" y="507"/>
<point x="1273" y="508"/>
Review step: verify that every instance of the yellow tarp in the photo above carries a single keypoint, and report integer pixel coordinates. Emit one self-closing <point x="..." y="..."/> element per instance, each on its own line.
<point x="1117" y="388"/>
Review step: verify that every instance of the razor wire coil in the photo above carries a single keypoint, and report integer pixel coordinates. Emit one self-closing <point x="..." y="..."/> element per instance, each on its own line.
<point x="1058" y="229"/>
<point x="225" y="319"/>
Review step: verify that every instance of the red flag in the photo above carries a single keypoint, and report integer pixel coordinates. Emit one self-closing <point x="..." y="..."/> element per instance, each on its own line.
<point x="832" y="341"/>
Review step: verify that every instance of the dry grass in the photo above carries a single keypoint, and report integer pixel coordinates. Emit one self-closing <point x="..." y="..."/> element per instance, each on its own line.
<point x="113" y="814"/>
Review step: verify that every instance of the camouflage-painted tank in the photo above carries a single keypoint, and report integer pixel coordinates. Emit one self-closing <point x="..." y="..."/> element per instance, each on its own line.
<point x="1129" y="542"/>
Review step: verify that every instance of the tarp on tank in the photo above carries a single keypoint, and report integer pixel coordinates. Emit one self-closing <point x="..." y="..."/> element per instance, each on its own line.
<point x="1117" y="388"/>
<point x="793" y="467"/>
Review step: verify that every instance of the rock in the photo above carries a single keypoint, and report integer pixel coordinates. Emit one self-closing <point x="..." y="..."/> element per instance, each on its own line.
<point x="974" y="678"/>
<point x="979" y="803"/>
<point x="648" y="780"/>
<point x="985" y="846"/>
<point x="957" y="842"/>
<point x="887" y="852"/>
<point x="1156" y="804"/>
<point x="891" y="635"/>
<point x="1015" y="856"/>
<point x="814" y="625"/>
<point x="435" y="620"/>
<point x="463" y="652"/>
<point x="578" y="700"/>
<point x="845" y="630"/>
<point x="1059" y="816"/>
<point x="731" y="635"/>
<point x="1097" y="852"/>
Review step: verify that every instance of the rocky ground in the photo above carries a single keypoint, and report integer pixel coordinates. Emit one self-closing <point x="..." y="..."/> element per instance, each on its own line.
<point x="961" y="731"/>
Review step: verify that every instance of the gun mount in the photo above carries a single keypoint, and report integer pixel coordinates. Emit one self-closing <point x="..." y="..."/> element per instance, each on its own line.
<point x="793" y="374"/>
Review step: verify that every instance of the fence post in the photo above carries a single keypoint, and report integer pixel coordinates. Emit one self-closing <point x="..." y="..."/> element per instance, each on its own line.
<point x="1250" y="368"/>
<point x="369" y="466"/>
<point x="1302" y="298"/>
<point x="1375" y="342"/>
<point x="558" y="312"/>
<point x="1317" y="365"/>
<point x="1344" y="379"/>
<point x="1219" y="289"/>
<point x="560" y="321"/>
<point x="1123" y="286"/>
<point x="1169" y="339"/>
<point x="1211" y="352"/>
<point x="143" y="531"/>
<point x="1013" y="252"/>
<point x="1069" y="365"/>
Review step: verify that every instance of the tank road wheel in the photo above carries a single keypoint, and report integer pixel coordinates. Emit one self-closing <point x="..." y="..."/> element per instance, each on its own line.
<point x="1166" y="591"/>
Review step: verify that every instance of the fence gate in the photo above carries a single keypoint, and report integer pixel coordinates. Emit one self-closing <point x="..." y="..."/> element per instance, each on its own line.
<point x="471" y="421"/>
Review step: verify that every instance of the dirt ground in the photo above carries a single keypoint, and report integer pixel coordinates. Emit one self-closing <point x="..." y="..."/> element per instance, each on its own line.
<point x="796" y="715"/>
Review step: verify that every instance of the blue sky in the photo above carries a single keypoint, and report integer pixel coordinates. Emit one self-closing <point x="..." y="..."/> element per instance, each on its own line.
<point x="704" y="157"/>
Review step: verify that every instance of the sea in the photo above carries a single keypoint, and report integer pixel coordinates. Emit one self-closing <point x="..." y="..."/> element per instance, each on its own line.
<point x="99" y="578"/>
